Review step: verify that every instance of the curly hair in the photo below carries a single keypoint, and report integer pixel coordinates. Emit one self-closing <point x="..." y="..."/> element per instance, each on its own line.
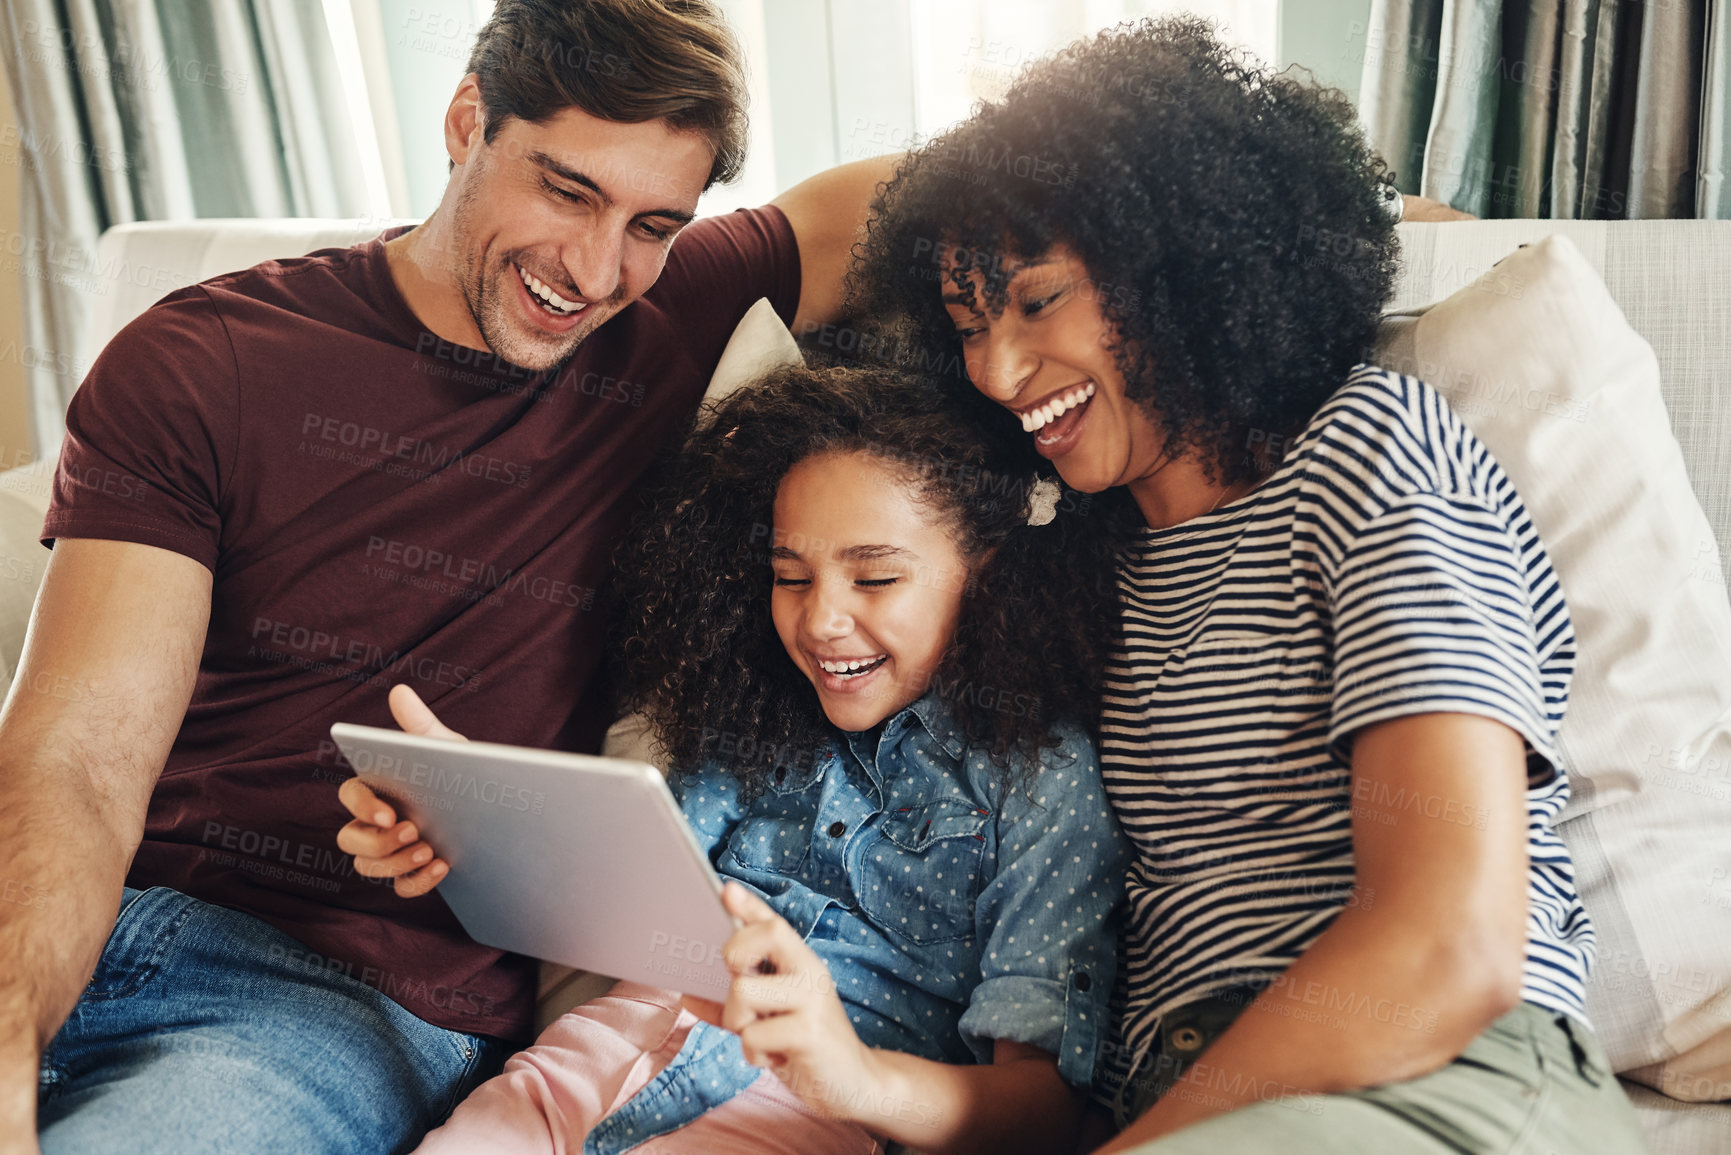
<point x="1232" y="221"/>
<point x="697" y="650"/>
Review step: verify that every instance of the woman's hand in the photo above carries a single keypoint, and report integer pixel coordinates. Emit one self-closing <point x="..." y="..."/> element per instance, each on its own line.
<point x="790" y="1020"/>
<point x="382" y="846"/>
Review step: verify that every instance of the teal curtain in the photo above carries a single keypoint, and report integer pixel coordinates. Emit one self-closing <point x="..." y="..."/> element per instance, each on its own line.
<point x="134" y="110"/>
<point x="1599" y="109"/>
<point x="1712" y="193"/>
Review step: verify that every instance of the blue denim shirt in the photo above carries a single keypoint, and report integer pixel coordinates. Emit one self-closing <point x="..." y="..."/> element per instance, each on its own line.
<point x="949" y="914"/>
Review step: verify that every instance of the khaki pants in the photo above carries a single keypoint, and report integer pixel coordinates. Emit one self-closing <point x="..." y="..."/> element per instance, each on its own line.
<point x="1534" y="1083"/>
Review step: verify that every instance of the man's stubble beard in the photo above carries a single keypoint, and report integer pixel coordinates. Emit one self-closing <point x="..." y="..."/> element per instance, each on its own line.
<point x="490" y="310"/>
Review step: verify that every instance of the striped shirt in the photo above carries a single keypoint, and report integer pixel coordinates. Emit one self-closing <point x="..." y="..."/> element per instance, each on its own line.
<point x="1386" y="568"/>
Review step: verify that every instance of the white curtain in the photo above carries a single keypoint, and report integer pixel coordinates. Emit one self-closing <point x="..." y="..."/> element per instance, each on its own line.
<point x="969" y="50"/>
<point x="840" y="80"/>
<point x="135" y="110"/>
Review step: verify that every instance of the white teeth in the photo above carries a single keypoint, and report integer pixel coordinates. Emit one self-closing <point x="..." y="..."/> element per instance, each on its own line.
<point x="1036" y="419"/>
<point x="540" y="289"/>
<point x="851" y="666"/>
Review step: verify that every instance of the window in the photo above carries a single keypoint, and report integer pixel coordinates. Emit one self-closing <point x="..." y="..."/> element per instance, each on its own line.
<point x="841" y="80"/>
<point x="831" y="80"/>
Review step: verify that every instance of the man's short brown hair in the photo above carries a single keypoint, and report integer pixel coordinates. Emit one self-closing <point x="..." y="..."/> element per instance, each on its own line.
<point x="628" y="61"/>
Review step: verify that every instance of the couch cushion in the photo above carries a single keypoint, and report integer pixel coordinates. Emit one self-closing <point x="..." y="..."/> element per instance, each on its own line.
<point x="153" y="258"/>
<point x="1540" y="363"/>
<point x="1672" y="281"/>
<point x="1674" y="1128"/>
<point x="23" y="501"/>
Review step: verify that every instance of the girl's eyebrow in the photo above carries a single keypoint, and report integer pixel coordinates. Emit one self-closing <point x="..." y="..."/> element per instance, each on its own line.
<point x="852" y="553"/>
<point x="875" y="552"/>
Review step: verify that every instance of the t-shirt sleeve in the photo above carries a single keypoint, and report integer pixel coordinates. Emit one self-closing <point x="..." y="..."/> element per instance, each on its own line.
<point x="719" y="266"/>
<point x="149" y="432"/>
<point x="1047" y="919"/>
<point x="1433" y="613"/>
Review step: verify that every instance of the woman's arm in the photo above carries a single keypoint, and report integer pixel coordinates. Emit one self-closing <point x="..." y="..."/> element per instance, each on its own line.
<point x="1429" y="955"/>
<point x="790" y="1020"/>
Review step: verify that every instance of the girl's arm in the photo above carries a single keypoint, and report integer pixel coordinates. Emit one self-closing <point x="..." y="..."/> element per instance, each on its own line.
<point x="1429" y="954"/>
<point x="792" y="1022"/>
<point x="1018" y="1103"/>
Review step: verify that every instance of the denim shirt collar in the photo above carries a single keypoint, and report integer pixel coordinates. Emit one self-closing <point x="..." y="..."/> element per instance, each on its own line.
<point x="928" y="712"/>
<point x="939" y="723"/>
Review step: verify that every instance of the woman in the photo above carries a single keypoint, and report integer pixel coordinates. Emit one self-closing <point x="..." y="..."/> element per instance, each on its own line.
<point x="1330" y="720"/>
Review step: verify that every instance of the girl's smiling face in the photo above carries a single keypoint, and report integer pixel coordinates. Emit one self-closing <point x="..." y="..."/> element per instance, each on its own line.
<point x="868" y="585"/>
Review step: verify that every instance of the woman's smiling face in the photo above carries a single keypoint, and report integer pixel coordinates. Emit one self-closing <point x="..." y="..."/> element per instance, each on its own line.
<point x="868" y="585"/>
<point x="1048" y="359"/>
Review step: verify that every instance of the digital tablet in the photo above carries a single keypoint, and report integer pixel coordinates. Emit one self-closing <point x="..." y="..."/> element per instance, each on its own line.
<point x="577" y="859"/>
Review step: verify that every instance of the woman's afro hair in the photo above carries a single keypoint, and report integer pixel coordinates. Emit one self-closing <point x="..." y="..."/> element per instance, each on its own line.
<point x="1232" y="222"/>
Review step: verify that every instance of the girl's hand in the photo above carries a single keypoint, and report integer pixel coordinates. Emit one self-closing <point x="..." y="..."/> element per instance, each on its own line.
<point x="790" y="1019"/>
<point x="382" y="846"/>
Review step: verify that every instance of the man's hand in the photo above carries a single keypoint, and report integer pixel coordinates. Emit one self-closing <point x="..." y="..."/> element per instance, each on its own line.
<point x="784" y="1008"/>
<point x="384" y="847"/>
<point x="1425" y="209"/>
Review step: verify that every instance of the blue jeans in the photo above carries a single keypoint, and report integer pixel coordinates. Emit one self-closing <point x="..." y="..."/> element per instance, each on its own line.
<point x="204" y="1031"/>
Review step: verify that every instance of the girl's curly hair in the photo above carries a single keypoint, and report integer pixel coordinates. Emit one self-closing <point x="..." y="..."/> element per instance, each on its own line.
<point x="1232" y="222"/>
<point x="698" y="652"/>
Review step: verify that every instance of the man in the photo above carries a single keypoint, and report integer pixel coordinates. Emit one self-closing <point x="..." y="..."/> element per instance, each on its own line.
<point x="286" y="489"/>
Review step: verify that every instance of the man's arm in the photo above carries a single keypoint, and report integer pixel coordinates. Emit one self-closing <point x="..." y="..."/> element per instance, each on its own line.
<point x="107" y="671"/>
<point x="828" y="213"/>
<point x="1424" y="209"/>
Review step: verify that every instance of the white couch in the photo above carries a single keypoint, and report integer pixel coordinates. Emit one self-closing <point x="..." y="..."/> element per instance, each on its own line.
<point x="1671" y="278"/>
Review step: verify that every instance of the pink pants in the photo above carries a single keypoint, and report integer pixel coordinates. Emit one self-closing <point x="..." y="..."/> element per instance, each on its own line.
<point x="590" y="1061"/>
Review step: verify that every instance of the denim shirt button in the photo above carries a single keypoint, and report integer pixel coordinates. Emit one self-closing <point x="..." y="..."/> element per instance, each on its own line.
<point x="1083" y="982"/>
<point x="837" y="829"/>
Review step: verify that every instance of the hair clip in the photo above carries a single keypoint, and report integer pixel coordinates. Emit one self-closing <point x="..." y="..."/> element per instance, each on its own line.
<point x="1042" y="501"/>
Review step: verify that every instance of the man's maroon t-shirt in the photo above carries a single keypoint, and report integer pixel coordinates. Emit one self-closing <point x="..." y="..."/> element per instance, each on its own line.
<point x="379" y="506"/>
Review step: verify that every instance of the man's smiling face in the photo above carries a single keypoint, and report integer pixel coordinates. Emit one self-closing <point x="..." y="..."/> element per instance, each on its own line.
<point x="560" y="225"/>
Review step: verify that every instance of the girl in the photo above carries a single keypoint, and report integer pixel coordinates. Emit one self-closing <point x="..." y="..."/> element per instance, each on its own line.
<point x="1330" y="717"/>
<point x="872" y="675"/>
